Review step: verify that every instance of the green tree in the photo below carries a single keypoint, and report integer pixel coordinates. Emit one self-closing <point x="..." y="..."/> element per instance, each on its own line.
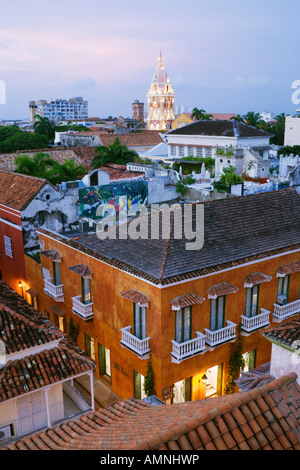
<point x="252" y="119"/>
<point x="279" y="130"/>
<point x="227" y="178"/>
<point x="68" y="171"/>
<point x="23" y="141"/>
<point x="236" y="364"/>
<point x="149" y="381"/>
<point x="73" y="330"/>
<point x="200" y="115"/>
<point x="114" y="153"/>
<point x="39" y="165"/>
<point x="43" y="126"/>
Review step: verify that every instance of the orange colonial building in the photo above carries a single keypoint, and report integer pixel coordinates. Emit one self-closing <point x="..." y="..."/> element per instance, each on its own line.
<point x="151" y="298"/>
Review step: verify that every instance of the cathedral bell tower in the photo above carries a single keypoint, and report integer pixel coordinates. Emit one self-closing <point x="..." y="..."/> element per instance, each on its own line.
<point x="160" y="98"/>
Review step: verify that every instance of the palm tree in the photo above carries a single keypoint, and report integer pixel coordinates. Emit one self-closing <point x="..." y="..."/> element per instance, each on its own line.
<point x="252" y="119"/>
<point x="238" y="118"/>
<point x="43" y="126"/>
<point x="113" y="153"/>
<point x="68" y="171"/>
<point x="200" y="115"/>
<point x="39" y="165"/>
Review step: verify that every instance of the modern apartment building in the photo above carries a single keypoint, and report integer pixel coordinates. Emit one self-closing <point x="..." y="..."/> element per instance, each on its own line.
<point x="59" y="109"/>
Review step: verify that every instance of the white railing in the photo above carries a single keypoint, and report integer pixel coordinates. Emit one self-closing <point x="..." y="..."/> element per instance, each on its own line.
<point x="189" y="348"/>
<point x="137" y="345"/>
<point x="257" y="321"/>
<point x="54" y="291"/>
<point x="283" y="311"/>
<point x="214" y="338"/>
<point x="83" y="310"/>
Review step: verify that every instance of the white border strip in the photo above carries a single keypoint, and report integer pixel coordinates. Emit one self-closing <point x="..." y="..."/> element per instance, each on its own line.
<point x="18" y="227"/>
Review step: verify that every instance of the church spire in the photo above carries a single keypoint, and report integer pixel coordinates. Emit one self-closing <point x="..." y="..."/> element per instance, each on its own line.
<point x="160" y="98"/>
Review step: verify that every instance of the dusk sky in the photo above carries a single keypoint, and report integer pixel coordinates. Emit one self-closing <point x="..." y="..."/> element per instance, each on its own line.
<point x="232" y="56"/>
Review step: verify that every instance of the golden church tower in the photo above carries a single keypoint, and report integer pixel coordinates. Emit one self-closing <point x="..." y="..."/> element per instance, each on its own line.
<point x="160" y="98"/>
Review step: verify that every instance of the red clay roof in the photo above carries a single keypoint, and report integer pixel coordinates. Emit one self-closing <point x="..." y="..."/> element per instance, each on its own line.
<point x="118" y="172"/>
<point x="17" y="191"/>
<point x="136" y="297"/>
<point x="218" y="290"/>
<point x="288" y="269"/>
<point x="134" y="139"/>
<point x="23" y="328"/>
<point x="266" y="418"/>
<point x="186" y="300"/>
<point x="256" y="278"/>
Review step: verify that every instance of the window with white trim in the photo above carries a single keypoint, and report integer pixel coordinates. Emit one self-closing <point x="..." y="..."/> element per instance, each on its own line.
<point x="173" y="150"/>
<point x="181" y="151"/>
<point x="8" y="246"/>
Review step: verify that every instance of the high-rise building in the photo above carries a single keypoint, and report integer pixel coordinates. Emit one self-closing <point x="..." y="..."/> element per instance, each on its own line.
<point x="160" y="98"/>
<point x="138" y="110"/>
<point x="59" y="109"/>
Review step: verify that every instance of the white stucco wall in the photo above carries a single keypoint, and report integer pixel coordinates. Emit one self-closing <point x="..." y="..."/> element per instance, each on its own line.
<point x="292" y="131"/>
<point x="284" y="362"/>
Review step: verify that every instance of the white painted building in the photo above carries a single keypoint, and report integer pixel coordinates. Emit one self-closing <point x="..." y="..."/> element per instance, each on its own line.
<point x="292" y="131"/>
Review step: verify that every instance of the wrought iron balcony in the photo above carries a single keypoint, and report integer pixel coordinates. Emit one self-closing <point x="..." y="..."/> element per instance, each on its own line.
<point x="181" y="351"/>
<point x="261" y="320"/>
<point x="217" y="337"/>
<point x="54" y="291"/>
<point x="85" y="311"/>
<point x="135" y="344"/>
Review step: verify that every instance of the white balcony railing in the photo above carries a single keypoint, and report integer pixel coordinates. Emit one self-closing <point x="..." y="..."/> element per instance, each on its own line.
<point x="214" y="338"/>
<point x="137" y="345"/>
<point x="85" y="311"/>
<point x="54" y="291"/>
<point x="257" y="321"/>
<point x="284" y="311"/>
<point x="181" y="351"/>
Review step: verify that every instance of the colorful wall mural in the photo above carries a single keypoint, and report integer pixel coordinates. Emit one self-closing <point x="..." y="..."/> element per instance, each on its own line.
<point x="98" y="202"/>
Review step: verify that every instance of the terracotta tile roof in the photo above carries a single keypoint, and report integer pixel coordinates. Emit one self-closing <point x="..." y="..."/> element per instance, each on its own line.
<point x="81" y="269"/>
<point x="265" y="418"/>
<point x="18" y="334"/>
<point x="38" y="370"/>
<point x="218" y="128"/>
<point x="223" y="288"/>
<point x="288" y="334"/>
<point x="118" y="172"/>
<point x="52" y="254"/>
<point x="255" y="377"/>
<point x="186" y="300"/>
<point x="288" y="269"/>
<point x="17" y="191"/>
<point x="256" y="278"/>
<point x="136" y="297"/>
<point x="236" y="231"/>
<point x="134" y="139"/>
<point x="23" y="328"/>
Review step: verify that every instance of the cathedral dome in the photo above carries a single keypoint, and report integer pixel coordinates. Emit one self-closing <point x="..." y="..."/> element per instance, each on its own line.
<point x="160" y="77"/>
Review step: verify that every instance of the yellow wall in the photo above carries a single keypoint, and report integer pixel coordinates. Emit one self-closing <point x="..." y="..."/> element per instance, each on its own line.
<point x="181" y="120"/>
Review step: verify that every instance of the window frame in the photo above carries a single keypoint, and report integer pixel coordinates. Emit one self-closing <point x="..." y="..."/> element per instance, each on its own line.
<point x="86" y="295"/>
<point x="282" y="288"/>
<point x="139" y="321"/>
<point x="185" y="313"/>
<point x="216" y="326"/>
<point x="249" y="310"/>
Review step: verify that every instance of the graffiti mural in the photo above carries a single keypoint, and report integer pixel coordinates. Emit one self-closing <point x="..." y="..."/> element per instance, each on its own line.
<point x="97" y="202"/>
